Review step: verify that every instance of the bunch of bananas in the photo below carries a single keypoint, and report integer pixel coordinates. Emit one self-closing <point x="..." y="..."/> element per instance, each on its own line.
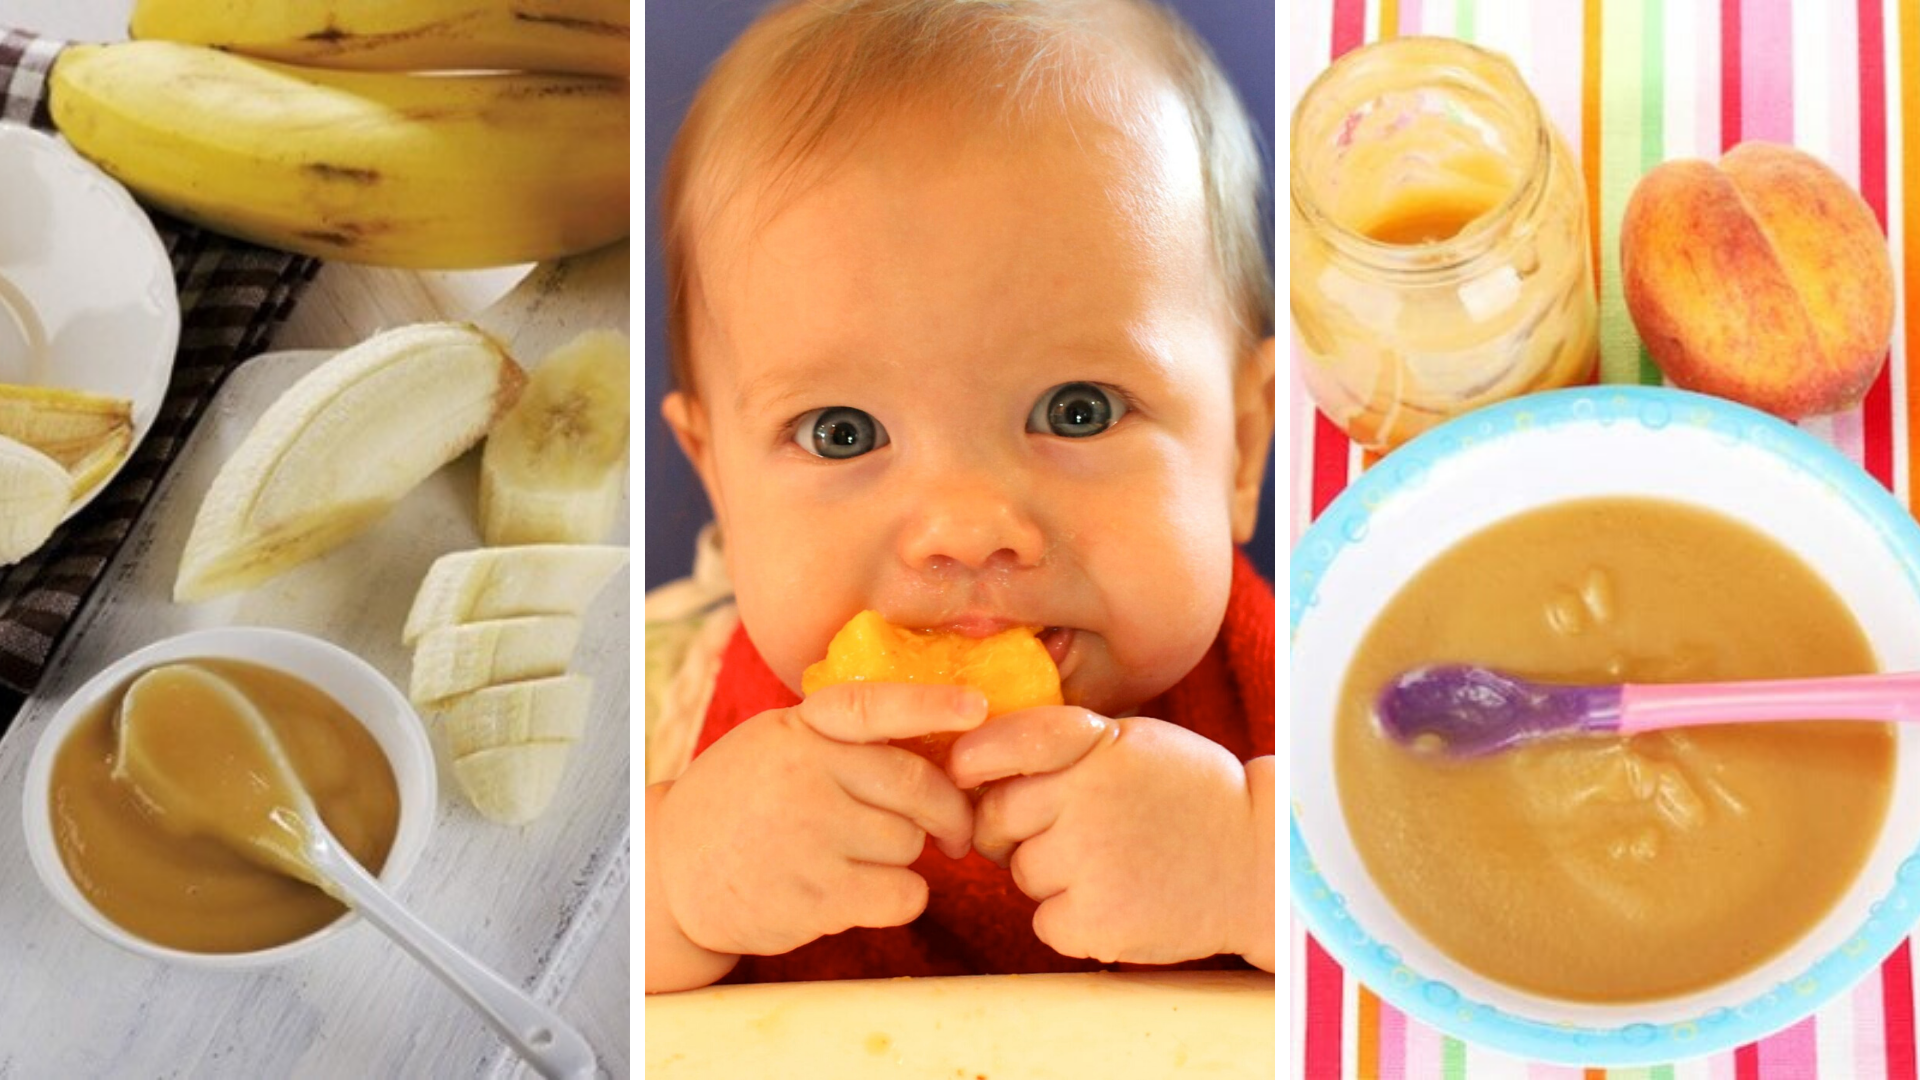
<point x="429" y="134"/>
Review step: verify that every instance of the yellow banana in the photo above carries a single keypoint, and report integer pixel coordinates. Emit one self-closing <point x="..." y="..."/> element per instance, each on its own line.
<point x="421" y="171"/>
<point x="585" y="37"/>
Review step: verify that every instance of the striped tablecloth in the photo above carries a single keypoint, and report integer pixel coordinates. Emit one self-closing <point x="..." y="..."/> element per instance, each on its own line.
<point x="1631" y="83"/>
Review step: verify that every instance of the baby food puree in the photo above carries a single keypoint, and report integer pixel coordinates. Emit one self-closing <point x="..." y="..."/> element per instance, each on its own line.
<point x="181" y="822"/>
<point x="1608" y="869"/>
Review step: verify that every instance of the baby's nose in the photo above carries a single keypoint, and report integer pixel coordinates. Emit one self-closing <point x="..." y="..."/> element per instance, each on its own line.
<point x="972" y="525"/>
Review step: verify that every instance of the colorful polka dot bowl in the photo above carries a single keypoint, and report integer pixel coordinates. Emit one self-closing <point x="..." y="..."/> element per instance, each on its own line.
<point x="1536" y="451"/>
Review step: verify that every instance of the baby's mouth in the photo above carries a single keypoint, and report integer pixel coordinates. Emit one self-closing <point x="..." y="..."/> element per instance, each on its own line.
<point x="1058" y="641"/>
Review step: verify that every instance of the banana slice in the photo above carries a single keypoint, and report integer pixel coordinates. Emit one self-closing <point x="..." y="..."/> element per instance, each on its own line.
<point x="496" y="583"/>
<point x="457" y="659"/>
<point x="554" y="468"/>
<point x="34" y="495"/>
<point x="537" y="710"/>
<point x="342" y="446"/>
<point x="513" y="785"/>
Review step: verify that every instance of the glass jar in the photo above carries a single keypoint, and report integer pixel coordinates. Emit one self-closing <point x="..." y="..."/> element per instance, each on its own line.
<point x="1438" y="239"/>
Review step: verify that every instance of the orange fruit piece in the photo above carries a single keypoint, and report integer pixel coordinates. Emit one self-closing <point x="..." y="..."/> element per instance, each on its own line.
<point x="1011" y="667"/>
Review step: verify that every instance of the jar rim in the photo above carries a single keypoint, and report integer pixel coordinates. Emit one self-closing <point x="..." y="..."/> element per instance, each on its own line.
<point x="1478" y="237"/>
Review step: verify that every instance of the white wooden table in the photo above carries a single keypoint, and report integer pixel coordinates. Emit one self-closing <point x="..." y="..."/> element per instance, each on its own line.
<point x="420" y="1022"/>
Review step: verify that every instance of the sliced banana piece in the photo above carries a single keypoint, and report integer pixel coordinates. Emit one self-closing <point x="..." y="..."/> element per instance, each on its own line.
<point x="34" y="495"/>
<point x="555" y="466"/>
<point x="535" y="710"/>
<point x="497" y="583"/>
<point x="458" y="659"/>
<point x="513" y="785"/>
<point x="341" y="447"/>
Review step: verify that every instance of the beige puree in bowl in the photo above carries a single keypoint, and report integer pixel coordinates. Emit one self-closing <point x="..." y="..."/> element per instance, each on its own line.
<point x="194" y="846"/>
<point x="1602" y="869"/>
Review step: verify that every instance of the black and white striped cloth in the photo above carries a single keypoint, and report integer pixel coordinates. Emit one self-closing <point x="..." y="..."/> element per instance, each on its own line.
<point x="233" y="296"/>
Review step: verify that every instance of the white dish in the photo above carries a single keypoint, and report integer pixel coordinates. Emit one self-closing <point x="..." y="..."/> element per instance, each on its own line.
<point x="87" y="297"/>
<point x="1535" y="451"/>
<point x="351" y="681"/>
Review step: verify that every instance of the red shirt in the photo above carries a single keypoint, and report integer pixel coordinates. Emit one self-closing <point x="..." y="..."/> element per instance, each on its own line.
<point x="977" y="922"/>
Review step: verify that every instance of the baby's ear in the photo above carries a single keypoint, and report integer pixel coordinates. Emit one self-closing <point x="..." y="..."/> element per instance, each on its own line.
<point x="1252" y="434"/>
<point x="688" y="419"/>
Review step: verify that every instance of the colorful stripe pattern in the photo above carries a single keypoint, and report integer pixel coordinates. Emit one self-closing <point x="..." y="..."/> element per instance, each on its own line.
<point x="1637" y="83"/>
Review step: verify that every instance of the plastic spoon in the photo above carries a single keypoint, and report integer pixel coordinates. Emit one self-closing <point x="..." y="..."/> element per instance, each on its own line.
<point x="1466" y="711"/>
<point x="210" y="764"/>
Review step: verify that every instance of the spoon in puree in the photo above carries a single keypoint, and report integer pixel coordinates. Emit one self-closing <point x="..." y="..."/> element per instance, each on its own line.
<point x="202" y="755"/>
<point x="1463" y="710"/>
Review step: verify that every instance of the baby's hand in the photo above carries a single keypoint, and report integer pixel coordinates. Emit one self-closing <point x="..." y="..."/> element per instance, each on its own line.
<point x="1137" y="836"/>
<point x="801" y="822"/>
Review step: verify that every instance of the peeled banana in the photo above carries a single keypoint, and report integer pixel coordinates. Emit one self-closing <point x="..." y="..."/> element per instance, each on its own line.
<point x="514" y="784"/>
<point x="554" y="469"/>
<point x="458" y="659"/>
<point x="552" y="709"/>
<point x="494" y="583"/>
<point x="87" y="434"/>
<point x="587" y="37"/>
<point x="420" y="171"/>
<point x="342" y="446"/>
<point x="34" y="495"/>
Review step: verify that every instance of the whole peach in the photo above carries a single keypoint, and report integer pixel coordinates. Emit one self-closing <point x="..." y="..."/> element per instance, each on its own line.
<point x="1764" y="279"/>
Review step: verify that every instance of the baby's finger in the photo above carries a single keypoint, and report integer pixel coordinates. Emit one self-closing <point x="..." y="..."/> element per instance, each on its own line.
<point x="1026" y="743"/>
<point x="904" y="783"/>
<point x="1013" y="812"/>
<point x="882" y="837"/>
<point x="870" y="712"/>
<point x="877" y="896"/>
<point x="1040" y="867"/>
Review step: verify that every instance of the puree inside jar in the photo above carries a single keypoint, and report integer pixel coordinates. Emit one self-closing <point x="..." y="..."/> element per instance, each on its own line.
<point x="198" y="892"/>
<point x="1603" y="869"/>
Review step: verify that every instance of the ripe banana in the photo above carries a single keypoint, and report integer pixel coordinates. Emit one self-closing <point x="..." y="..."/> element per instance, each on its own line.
<point x="514" y="784"/>
<point x="554" y="469"/>
<point x="88" y="434"/>
<point x="550" y="709"/>
<point x="421" y="171"/>
<point x="34" y="495"/>
<point x="457" y="659"/>
<point x="494" y="583"/>
<point x="341" y="446"/>
<point x="586" y="37"/>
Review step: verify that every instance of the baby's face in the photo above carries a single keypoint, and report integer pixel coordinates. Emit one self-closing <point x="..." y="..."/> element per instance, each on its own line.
<point x="974" y="382"/>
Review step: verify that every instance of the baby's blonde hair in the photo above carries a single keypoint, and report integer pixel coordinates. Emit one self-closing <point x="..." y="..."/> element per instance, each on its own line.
<point x="809" y="71"/>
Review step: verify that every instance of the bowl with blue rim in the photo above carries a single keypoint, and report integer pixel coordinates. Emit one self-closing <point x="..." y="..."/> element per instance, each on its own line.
<point x="1532" y="452"/>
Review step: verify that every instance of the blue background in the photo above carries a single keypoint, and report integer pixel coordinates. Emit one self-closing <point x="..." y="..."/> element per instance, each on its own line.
<point x="684" y="37"/>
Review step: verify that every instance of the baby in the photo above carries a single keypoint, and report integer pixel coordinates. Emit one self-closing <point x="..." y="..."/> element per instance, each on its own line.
<point x="972" y="326"/>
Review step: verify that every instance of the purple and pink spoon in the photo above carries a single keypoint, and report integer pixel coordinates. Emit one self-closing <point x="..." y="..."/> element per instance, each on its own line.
<point x="1462" y="710"/>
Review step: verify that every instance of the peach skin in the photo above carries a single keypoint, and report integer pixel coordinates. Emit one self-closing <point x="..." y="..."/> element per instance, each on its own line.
<point x="1011" y="667"/>
<point x="1764" y="279"/>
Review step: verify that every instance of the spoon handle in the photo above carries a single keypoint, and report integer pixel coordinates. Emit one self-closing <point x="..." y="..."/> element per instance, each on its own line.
<point x="1893" y="696"/>
<point x="537" y="1033"/>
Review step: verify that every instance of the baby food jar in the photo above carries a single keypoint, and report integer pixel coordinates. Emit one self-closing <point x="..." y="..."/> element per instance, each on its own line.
<point x="1439" y="247"/>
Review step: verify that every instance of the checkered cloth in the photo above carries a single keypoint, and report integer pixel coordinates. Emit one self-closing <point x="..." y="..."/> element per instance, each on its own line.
<point x="233" y="296"/>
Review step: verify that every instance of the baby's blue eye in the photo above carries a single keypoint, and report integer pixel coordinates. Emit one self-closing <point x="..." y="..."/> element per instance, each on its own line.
<point x="839" y="432"/>
<point x="1075" y="411"/>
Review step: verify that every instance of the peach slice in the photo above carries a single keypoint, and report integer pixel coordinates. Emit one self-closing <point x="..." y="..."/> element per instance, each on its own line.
<point x="1011" y="667"/>
<point x="1764" y="279"/>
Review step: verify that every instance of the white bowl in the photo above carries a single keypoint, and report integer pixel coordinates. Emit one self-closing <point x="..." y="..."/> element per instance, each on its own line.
<point x="352" y="682"/>
<point x="87" y="298"/>
<point x="1534" y="451"/>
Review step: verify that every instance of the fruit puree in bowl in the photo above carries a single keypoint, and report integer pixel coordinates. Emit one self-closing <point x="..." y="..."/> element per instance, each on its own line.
<point x="1606" y="901"/>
